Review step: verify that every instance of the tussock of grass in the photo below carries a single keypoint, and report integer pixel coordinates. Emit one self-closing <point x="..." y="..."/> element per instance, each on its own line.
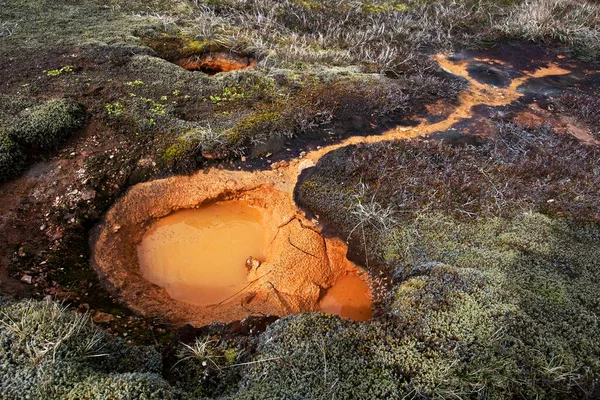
<point x="47" y="351"/>
<point x="522" y="169"/>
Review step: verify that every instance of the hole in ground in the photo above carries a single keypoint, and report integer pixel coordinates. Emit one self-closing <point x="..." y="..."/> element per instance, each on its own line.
<point x="220" y="247"/>
<point x="213" y="63"/>
<point x="199" y="56"/>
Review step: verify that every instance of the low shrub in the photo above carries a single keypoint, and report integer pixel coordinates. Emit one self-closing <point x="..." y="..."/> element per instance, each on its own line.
<point x="12" y="158"/>
<point x="45" y="126"/>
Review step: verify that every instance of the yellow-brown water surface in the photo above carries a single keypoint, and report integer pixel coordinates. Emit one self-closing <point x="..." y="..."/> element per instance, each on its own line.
<point x="349" y="298"/>
<point x="199" y="255"/>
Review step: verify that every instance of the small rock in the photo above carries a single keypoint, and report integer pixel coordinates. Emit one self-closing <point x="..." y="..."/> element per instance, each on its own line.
<point x="280" y="164"/>
<point x="252" y="263"/>
<point x="145" y="162"/>
<point x="88" y="194"/>
<point x="305" y="164"/>
<point x="28" y="279"/>
<point x="116" y="228"/>
<point x="103" y="318"/>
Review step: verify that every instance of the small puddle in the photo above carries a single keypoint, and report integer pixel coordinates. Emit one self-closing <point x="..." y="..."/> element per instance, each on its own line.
<point x="199" y="255"/>
<point x="349" y="298"/>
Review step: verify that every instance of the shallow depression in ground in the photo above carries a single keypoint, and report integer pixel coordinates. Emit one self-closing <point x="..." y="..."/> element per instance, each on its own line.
<point x="202" y="256"/>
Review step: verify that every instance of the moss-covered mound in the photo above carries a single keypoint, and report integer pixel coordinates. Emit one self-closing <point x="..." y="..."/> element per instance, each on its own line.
<point x="47" y="352"/>
<point x="45" y="126"/>
<point x="12" y="158"/>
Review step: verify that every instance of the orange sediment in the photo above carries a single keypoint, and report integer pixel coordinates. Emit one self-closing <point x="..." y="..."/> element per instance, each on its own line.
<point x="349" y="298"/>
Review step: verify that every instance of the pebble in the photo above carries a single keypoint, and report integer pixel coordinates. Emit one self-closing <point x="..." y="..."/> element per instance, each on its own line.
<point x="102" y="317"/>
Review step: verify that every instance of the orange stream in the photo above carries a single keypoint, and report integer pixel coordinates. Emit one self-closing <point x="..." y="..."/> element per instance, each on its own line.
<point x="199" y="255"/>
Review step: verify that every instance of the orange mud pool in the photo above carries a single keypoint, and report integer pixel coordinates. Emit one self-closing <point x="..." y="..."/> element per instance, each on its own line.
<point x="199" y="255"/>
<point x="203" y="257"/>
<point x="349" y="298"/>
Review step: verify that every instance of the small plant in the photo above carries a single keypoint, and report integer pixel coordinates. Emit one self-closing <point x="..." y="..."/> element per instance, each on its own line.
<point x="203" y="351"/>
<point x="135" y="83"/>
<point x="158" y="108"/>
<point x="228" y="94"/>
<point x="58" y="72"/>
<point x="115" y="109"/>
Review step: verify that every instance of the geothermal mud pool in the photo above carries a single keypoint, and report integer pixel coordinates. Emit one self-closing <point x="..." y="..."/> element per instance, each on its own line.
<point x="205" y="256"/>
<point x="221" y="246"/>
<point x="240" y="246"/>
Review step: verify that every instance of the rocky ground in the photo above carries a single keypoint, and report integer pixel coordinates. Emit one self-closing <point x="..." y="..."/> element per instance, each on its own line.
<point x="455" y="149"/>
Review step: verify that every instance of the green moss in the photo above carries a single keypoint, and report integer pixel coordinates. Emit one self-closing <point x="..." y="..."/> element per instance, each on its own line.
<point x="129" y="386"/>
<point x="256" y="123"/>
<point x="185" y="144"/>
<point x="467" y="315"/>
<point x="47" y="125"/>
<point x="305" y="356"/>
<point x="531" y="278"/>
<point x="12" y="158"/>
<point x="195" y="47"/>
<point x="47" y="351"/>
<point x="231" y="355"/>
